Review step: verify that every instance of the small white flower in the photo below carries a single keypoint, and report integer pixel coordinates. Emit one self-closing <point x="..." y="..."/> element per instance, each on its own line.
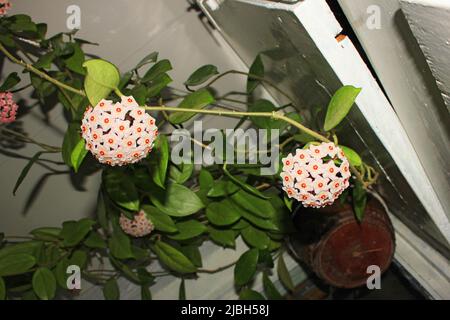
<point x="318" y="152"/>
<point x="344" y="169"/>
<point x="305" y="185"/>
<point x="320" y="184"/>
<point x="291" y="192"/>
<point x="288" y="181"/>
<point x="300" y="172"/>
<point x="288" y="163"/>
<point x="315" y="168"/>
<point x="302" y="156"/>
<point x="330" y="170"/>
<point x="331" y="149"/>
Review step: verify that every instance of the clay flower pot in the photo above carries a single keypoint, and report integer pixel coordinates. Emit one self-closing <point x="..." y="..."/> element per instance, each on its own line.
<point x="339" y="249"/>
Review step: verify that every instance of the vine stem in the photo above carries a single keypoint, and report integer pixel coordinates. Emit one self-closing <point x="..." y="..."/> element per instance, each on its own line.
<point x="41" y="74"/>
<point x="239" y="114"/>
<point x="274" y="115"/>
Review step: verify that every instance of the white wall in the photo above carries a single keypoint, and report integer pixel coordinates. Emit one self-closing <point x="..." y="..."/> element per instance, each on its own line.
<point x="126" y="32"/>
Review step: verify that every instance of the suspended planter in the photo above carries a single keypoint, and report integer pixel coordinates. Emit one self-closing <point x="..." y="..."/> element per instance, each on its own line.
<point x="338" y="248"/>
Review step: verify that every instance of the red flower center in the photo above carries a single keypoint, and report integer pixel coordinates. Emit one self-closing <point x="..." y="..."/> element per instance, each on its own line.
<point x="315" y="167"/>
<point x="320" y="184"/>
<point x="286" y="179"/>
<point x="130" y="100"/>
<point x="129" y="143"/>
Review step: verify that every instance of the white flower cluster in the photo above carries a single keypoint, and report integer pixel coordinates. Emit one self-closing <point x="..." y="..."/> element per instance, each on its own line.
<point x="140" y="226"/>
<point x="316" y="176"/>
<point x="119" y="133"/>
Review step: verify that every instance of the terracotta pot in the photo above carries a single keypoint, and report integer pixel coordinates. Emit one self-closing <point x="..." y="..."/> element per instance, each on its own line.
<point x="338" y="248"/>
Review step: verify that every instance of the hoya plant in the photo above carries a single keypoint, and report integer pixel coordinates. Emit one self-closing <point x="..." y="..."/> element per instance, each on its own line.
<point x="152" y="207"/>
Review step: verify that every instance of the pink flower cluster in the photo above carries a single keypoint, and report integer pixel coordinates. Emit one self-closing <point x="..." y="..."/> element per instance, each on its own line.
<point x="120" y="133"/>
<point x="140" y="226"/>
<point x="8" y="108"/>
<point x="316" y="176"/>
<point x="5" y="5"/>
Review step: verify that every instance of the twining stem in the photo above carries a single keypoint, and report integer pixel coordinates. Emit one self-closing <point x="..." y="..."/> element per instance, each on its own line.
<point x="251" y="76"/>
<point x="39" y="73"/>
<point x="239" y="114"/>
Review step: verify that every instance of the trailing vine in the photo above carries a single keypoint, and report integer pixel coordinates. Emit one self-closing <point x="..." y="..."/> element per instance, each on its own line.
<point x="151" y="208"/>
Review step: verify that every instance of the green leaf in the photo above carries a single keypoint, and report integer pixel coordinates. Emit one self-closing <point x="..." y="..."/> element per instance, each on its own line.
<point x="72" y="138"/>
<point x="7" y="40"/>
<point x="28" y="247"/>
<point x="159" y="83"/>
<point x="173" y="258"/>
<point x="125" y="79"/>
<point x="283" y="274"/>
<point x="74" y="232"/>
<point x="45" y="61"/>
<point x="44" y="284"/>
<point x="25" y="171"/>
<point x="182" y="173"/>
<point x="11" y="80"/>
<point x="359" y="196"/>
<point x="121" y="189"/>
<point x="206" y="180"/>
<point x="120" y="245"/>
<point x="160" y="220"/>
<point x="250" y="189"/>
<point x="188" y="230"/>
<point x="352" y="156"/>
<point x="256" y="69"/>
<point x="193" y="254"/>
<point x="150" y="58"/>
<point x="46" y="233"/>
<point x="102" y="77"/>
<point x="222" y="213"/>
<point x="159" y="68"/>
<point x="245" y="268"/>
<point x="265" y="122"/>
<point x="269" y="289"/>
<point x="139" y="92"/>
<point x="225" y="238"/>
<point x="304" y="138"/>
<point x="48" y="255"/>
<point x="22" y="23"/>
<point x="177" y="200"/>
<point x="76" y="60"/>
<point x="255" y="237"/>
<point x="16" y="264"/>
<point x="111" y="290"/>
<point x="248" y="294"/>
<point x="201" y="75"/>
<point x="182" y="291"/>
<point x="255" y="205"/>
<point x="259" y="222"/>
<point x="159" y="161"/>
<point x="102" y="213"/>
<point x="78" y="258"/>
<point x="340" y="105"/>
<point x="95" y="241"/>
<point x="196" y="100"/>
<point x="2" y="289"/>
<point x="78" y="155"/>
<point x="222" y="188"/>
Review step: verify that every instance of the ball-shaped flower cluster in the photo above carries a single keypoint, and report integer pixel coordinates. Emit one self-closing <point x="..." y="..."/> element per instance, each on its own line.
<point x="8" y="108"/>
<point x="5" y="5"/>
<point x="140" y="226"/>
<point x="120" y="133"/>
<point x="316" y="176"/>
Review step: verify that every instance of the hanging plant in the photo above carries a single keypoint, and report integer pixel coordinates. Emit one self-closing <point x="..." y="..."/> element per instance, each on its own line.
<point x="150" y="206"/>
